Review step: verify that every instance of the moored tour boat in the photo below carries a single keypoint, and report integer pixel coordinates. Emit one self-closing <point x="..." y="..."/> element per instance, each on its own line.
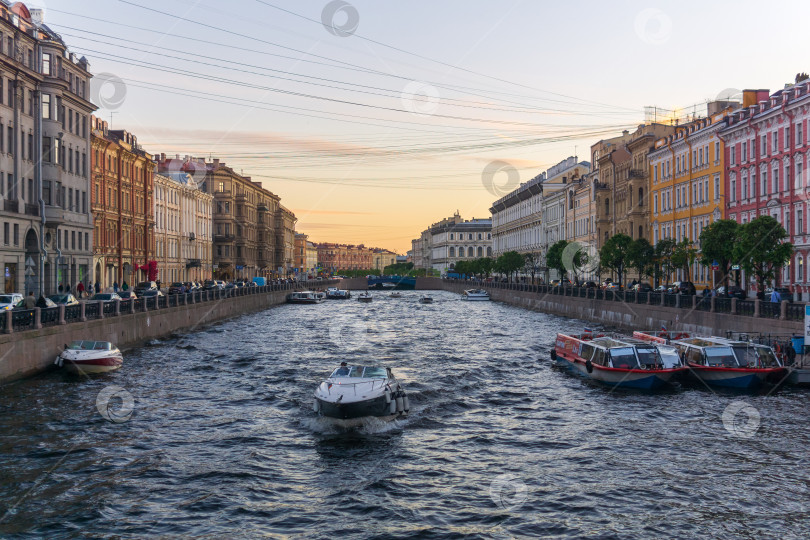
<point x="352" y="394"/>
<point x="475" y="294"/>
<point x="84" y="357"/>
<point x="365" y="297"/>
<point x="304" y="297"/>
<point x="725" y="363"/>
<point x="616" y="362"/>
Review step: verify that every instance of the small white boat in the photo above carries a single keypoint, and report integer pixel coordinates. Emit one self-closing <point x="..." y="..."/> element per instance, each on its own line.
<point x="304" y="297"/>
<point x="83" y="357"/>
<point x="364" y="297"/>
<point x="352" y="394"/>
<point x="395" y="295"/>
<point x="426" y="299"/>
<point x="475" y="294"/>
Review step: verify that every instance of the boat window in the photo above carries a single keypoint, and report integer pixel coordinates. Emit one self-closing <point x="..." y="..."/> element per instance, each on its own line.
<point x="374" y="373"/>
<point x="586" y="351"/>
<point x="669" y="357"/>
<point x="623" y="357"/>
<point x="766" y="357"/>
<point x="720" y="356"/>
<point x="746" y="355"/>
<point x="599" y="357"/>
<point x="648" y="357"/>
<point x="75" y="345"/>
<point x="101" y="346"/>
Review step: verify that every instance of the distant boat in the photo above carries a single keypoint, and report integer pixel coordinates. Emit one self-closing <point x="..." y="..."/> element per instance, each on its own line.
<point x="475" y="294"/>
<point x="395" y="295"/>
<point x="364" y="297"/>
<point x="83" y="357"/>
<point x="333" y="293"/>
<point x="426" y="299"/>
<point x="304" y="297"/>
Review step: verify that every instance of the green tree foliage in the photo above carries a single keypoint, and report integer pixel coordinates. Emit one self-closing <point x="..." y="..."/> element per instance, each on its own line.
<point x="485" y="265"/>
<point x="554" y="257"/>
<point x="398" y="269"/>
<point x="761" y="249"/>
<point x="640" y="256"/>
<point x="717" y="244"/>
<point x="614" y="254"/>
<point x="530" y="262"/>
<point x="663" y="258"/>
<point x="509" y="263"/>
<point x="683" y="255"/>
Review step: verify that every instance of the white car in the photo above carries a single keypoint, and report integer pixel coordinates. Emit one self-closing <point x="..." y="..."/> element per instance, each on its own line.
<point x="9" y="300"/>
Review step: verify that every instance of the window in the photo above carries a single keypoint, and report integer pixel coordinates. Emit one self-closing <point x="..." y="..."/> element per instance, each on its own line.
<point x="451" y="236"/>
<point x="732" y="155"/>
<point x="46" y="64"/>
<point x="16" y="234"/>
<point x="46" y="191"/>
<point x="6" y="233"/>
<point x="46" y="149"/>
<point x="716" y="188"/>
<point x="733" y="190"/>
<point x="786" y="177"/>
<point x="764" y="183"/>
<point x="774" y="142"/>
<point x="764" y="149"/>
<point x="46" y="105"/>
<point x="799" y="222"/>
<point x="787" y="138"/>
<point x="744" y="152"/>
<point x="799" y="181"/>
<point x="798" y="133"/>
<point x="655" y="203"/>
<point x="221" y="187"/>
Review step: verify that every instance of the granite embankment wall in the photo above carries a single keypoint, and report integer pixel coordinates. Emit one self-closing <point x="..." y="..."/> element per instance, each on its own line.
<point x="25" y="353"/>
<point x="639" y="316"/>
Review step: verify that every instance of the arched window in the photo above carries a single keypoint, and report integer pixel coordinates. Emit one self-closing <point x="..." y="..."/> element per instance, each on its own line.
<point x="489" y="236"/>
<point x="452" y="251"/>
<point x="470" y="252"/>
<point x="640" y="199"/>
<point x="489" y="252"/>
<point x="451" y="236"/>
<point x="607" y="206"/>
<point x="461" y="253"/>
<point x="799" y="269"/>
<point x="480" y="251"/>
<point x="640" y="232"/>
<point x="480" y="236"/>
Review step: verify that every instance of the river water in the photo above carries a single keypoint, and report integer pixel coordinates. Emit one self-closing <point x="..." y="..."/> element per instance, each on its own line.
<point x="222" y="441"/>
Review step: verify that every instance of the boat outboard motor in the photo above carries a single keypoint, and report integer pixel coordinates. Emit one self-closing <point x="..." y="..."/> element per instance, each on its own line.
<point x="589" y="365"/>
<point x="407" y="403"/>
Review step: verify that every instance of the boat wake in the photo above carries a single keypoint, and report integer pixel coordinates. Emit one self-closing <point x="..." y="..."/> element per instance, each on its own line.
<point x="366" y="426"/>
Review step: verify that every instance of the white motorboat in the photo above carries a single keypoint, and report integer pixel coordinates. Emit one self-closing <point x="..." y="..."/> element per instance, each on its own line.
<point x="333" y="293"/>
<point x="395" y="295"/>
<point x="84" y="357"/>
<point x="365" y="297"/>
<point x="304" y="297"/>
<point x="475" y="294"/>
<point x="352" y="394"/>
<point x="425" y="299"/>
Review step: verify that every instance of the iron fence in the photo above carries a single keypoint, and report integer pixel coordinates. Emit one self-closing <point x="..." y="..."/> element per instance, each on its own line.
<point x="722" y="305"/>
<point x="795" y="312"/>
<point x="22" y="319"/>
<point x="91" y="310"/>
<point x="745" y="307"/>
<point x="671" y="300"/>
<point x="73" y="313"/>
<point x="770" y="310"/>
<point x="49" y="316"/>
<point x="109" y="308"/>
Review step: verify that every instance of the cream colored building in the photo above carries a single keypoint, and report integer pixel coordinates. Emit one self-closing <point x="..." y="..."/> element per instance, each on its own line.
<point x="183" y="229"/>
<point x="383" y="258"/>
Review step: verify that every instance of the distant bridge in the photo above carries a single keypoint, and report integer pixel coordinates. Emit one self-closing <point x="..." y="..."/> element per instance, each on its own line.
<point x="400" y="282"/>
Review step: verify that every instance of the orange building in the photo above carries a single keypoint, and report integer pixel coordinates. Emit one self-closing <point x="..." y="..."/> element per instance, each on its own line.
<point x="122" y="202"/>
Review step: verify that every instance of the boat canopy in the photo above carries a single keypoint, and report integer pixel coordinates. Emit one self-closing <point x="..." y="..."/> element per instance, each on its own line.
<point x="90" y="345"/>
<point x="365" y="372"/>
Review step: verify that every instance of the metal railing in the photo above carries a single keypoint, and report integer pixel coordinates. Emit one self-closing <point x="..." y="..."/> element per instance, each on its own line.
<point x="73" y="313"/>
<point x="91" y="310"/>
<point x="22" y="319"/>
<point x="49" y="316"/>
<point x="109" y="308"/>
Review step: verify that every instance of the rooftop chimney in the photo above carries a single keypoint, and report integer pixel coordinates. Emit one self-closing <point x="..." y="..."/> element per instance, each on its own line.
<point x="37" y="16"/>
<point x="752" y="97"/>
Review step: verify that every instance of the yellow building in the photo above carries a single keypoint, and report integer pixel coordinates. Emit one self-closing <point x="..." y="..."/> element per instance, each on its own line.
<point x="686" y="186"/>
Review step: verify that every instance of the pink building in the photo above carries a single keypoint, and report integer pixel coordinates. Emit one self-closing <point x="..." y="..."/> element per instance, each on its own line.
<point x="766" y="171"/>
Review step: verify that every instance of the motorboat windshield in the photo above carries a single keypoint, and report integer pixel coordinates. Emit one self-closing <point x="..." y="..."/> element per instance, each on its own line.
<point x="365" y="372"/>
<point x="79" y="345"/>
<point x="720" y="357"/>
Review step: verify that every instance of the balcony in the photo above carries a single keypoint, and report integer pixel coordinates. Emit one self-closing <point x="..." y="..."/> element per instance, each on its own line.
<point x="222" y="195"/>
<point x="32" y="209"/>
<point x="54" y="215"/>
<point x="241" y="197"/>
<point x="194" y="263"/>
<point x="261" y="207"/>
<point x="11" y="205"/>
<point x="638" y="173"/>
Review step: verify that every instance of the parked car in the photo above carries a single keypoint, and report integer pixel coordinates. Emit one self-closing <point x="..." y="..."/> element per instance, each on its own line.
<point x="684" y="287"/>
<point x="105" y="296"/>
<point x="145" y="286"/>
<point x="48" y="303"/>
<point x="733" y="292"/>
<point x="9" y="300"/>
<point x="642" y="287"/>
<point x="64" y="298"/>
<point x="127" y="295"/>
<point x="152" y="292"/>
<point x="176" y="288"/>
<point x="590" y="285"/>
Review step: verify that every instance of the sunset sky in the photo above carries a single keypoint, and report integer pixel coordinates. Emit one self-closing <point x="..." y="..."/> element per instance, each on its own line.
<point x="374" y="128"/>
